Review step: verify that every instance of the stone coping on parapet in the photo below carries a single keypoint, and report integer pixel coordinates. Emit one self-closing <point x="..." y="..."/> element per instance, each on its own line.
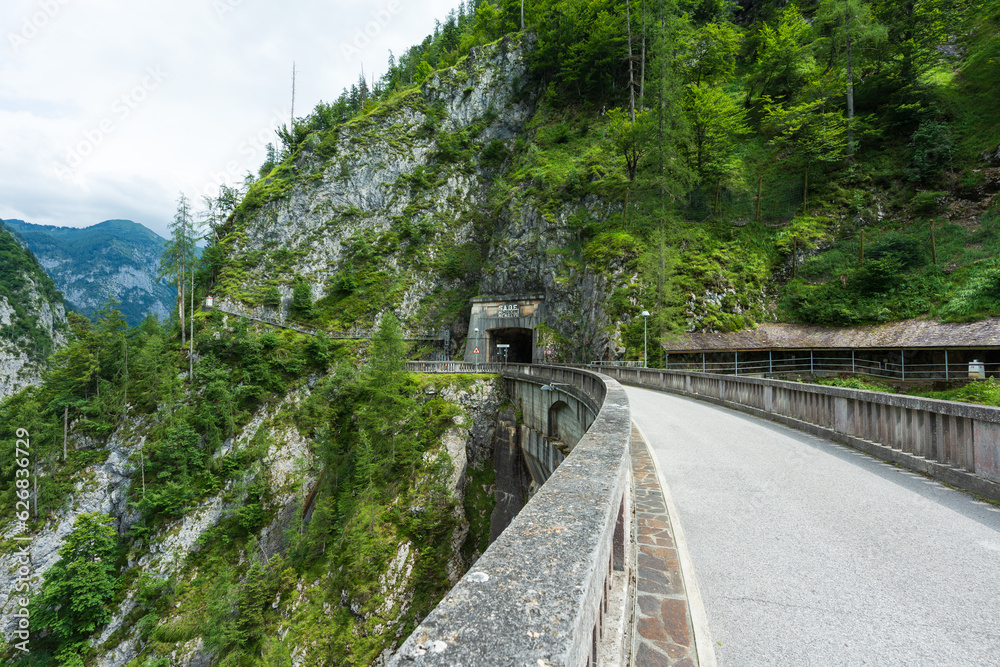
<point x="984" y="413"/>
<point x="533" y="597"/>
<point x="908" y="334"/>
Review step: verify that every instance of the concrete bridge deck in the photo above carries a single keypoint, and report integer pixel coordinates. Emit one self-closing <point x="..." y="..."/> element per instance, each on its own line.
<point x="807" y="552"/>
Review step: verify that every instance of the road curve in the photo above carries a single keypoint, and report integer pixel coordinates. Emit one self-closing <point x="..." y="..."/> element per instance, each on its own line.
<point x="809" y="553"/>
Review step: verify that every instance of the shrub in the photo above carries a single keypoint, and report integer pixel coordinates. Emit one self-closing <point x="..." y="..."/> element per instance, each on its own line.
<point x="272" y="297"/>
<point x="302" y="303"/>
<point x="909" y="252"/>
<point x="931" y="148"/>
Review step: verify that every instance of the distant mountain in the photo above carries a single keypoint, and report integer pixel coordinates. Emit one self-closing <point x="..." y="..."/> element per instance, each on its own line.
<point x="32" y="316"/>
<point x="115" y="258"/>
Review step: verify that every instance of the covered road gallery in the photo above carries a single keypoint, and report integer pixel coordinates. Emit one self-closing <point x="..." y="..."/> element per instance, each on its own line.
<point x="912" y="350"/>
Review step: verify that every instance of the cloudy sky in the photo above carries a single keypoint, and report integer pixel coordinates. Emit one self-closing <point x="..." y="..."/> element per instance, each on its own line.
<point x="111" y="108"/>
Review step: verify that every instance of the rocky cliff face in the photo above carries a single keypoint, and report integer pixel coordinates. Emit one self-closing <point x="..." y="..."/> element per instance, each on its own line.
<point x="407" y="208"/>
<point x="32" y="316"/>
<point x="311" y="608"/>
<point x="117" y="259"/>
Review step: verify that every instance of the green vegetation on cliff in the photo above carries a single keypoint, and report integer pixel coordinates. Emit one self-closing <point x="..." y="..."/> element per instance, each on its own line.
<point x="371" y="480"/>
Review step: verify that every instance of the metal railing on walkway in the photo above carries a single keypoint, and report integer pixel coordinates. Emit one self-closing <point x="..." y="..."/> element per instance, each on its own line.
<point x="444" y="335"/>
<point x="617" y="364"/>
<point x="823" y="365"/>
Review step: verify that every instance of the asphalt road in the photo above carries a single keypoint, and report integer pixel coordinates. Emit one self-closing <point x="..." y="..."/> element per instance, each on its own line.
<point x="810" y="553"/>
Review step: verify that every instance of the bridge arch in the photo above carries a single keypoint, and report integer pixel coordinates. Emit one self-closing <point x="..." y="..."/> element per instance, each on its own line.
<point x="564" y="424"/>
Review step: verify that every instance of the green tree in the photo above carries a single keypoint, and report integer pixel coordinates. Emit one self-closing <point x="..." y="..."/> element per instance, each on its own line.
<point x="931" y="148"/>
<point x="784" y="58"/>
<point x="581" y="48"/>
<point x="709" y="53"/>
<point x="915" y="30"/>
<point x="153" y="378"/>
<point x="72" y="602"/>
<point x="810" y="132"/>
<point x="179" y="255"/>
<point x="671" y="175"/>
<point x="71" y="374"/>
<point x="272" y="297"/>
<point x="718" y="123"/>
<point x="848" y="29"/>
<point x="657" y="269"/>
<point x="302" y="303"/>
<point x="630" y="139"/>
<point x="387" y="361"/>
<point x="804" y="232"/>
<point x="388" y="426"/>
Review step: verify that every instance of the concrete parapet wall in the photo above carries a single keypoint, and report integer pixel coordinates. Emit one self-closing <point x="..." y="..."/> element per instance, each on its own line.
<point x="958" y="443"/>
<point x="537" y="596"/>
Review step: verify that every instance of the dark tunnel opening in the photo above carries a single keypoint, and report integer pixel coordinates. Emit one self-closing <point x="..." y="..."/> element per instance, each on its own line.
<point x="519" y="340"/>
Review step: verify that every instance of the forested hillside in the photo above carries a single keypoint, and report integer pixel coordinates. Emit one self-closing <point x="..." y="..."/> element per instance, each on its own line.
<point x="284" y="503"/>
<point x="718" y="163"/>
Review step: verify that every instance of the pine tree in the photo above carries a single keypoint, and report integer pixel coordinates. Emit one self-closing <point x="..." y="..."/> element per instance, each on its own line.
<point x="179" y="254"/>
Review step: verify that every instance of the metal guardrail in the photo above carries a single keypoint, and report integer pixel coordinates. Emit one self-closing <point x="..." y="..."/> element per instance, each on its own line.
<point x="617" y="364"/>
<point x="352" y="334"/>
<point x="815" y="365"/>
<point x="460" y="367"/>
<point x="537" y="595"/>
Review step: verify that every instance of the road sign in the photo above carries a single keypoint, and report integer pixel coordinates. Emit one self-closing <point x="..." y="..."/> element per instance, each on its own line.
<point x="476" y="351"/>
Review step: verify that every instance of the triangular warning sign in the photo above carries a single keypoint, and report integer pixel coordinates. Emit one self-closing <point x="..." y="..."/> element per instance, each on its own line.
<point x="476" y="351"/>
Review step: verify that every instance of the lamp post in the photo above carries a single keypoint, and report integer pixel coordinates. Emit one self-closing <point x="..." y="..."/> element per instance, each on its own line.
<point x="477" y="349"/>
<point x="645" y="314"/>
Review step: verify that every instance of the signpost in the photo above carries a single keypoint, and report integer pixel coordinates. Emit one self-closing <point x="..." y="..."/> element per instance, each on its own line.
<point x="504" y="347"/>
<point x="476" y="352"/>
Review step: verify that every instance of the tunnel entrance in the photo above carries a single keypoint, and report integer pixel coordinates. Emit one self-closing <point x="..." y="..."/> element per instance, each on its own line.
<point x="508" y="320"/>
<point x="519" y="340"/>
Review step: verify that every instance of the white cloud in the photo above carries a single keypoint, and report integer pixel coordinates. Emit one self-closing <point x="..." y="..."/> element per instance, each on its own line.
<point x="111" y="108"/>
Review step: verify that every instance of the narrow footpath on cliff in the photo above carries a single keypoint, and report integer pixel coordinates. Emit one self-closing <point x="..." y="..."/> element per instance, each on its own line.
<point x="807" y="552"/>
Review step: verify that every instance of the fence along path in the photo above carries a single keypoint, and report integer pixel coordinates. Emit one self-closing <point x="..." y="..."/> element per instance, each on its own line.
<point x="354" y="334"/>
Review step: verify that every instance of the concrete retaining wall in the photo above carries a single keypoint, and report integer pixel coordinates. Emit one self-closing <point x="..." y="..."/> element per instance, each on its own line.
<point x="958" y="443"/>
<point x="538" y="594"/>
